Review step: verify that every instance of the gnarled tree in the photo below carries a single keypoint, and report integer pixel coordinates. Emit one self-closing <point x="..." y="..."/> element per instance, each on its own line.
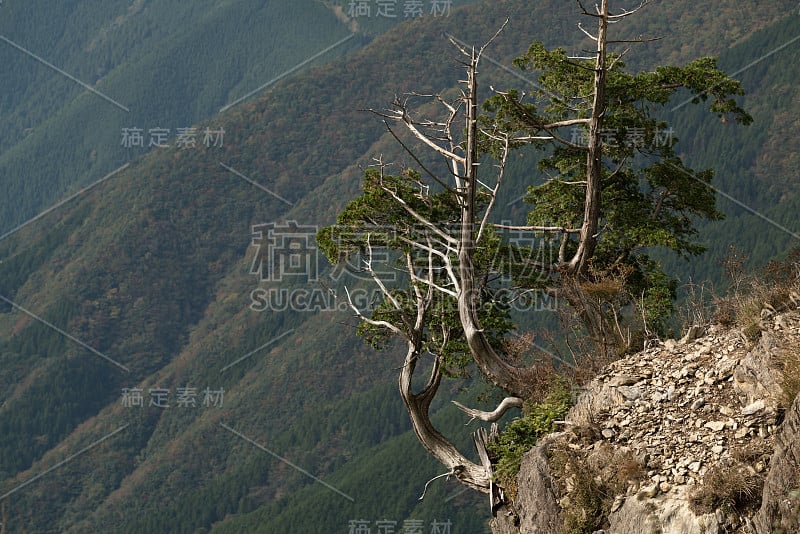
<point x="615" y="188"/>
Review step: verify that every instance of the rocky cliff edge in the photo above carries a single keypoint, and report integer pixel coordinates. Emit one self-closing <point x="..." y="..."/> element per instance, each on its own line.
<point x="691" y="436"/>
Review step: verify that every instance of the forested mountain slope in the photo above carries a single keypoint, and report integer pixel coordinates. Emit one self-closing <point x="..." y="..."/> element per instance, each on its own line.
<point x="150" y="274"/>
<point x="161" y="65"/>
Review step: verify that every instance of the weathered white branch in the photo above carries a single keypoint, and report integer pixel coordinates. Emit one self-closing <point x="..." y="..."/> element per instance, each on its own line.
<point x="428" y="483"/>
<point x="493" y="194"/>
<point x="377" y="279"/>
<point x="414" y="278"/>
<point x="481" y="441"/>
<point x="548" y="127"/>
<point x="428" y="248"/>
<point x="495" y="415"/>
<point x="435" y="286"/>
<point x="626" y="13"/>
<point x="425" y="139"/>
<point x="592" y="37"/>
<point x="418" y="161"/>
<point x="428" y="224"/>
<point x="373" y="322"/>
<point x="560" y="124"/>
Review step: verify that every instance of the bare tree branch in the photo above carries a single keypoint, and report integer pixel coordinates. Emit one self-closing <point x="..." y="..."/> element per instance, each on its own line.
<point x="428" y="224"/>
<point x="626" y="13"/>
<point x="592" y="37"/>
<point x="403" y="116"/>
<point x="385" y="324"/>
<point x="418" y="162"/>
<point x="494" y="415"/>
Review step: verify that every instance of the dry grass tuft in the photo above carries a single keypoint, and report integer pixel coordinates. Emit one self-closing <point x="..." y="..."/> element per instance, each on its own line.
<point x="590" y="483"/>
<point x="734" y="487"/>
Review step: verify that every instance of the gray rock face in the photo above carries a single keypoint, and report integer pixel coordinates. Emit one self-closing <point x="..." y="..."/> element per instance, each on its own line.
<point x="757" y="377"/>
<point x="684" y="411"/>
<point x="662" y="515"/>
<point x="780" y="503"/>
<point x="505" y="521"/>
<point x="535" y="483"/>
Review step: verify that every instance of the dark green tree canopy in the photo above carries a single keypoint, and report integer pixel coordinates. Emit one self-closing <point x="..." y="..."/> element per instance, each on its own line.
<point x="648" y="197"/>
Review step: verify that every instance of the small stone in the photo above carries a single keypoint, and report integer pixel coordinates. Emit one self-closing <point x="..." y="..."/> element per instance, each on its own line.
<point x="717" y="449"/>
<point x="725" y="367"/>
<point x="754" y="407"/>
<point x="694" y="467"/>
<point x="608" y="433"/>
<point x="716" y="426"/>
<point x="649" y="491"/>
<point x="679" y="479"/>
<point x="664" y="487"/>
<point x="617" y="504"/>
<point x="630" y="393"/>
<point x="622" y="380"/>
<point x="725" y="410"/>
<point x="696" y="405"/>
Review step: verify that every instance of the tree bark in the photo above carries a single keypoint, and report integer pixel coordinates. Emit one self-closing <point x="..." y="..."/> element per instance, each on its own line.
<point x="468" y="473"/>
<point x="515" y="381"/>
<point x="594" y="158"/>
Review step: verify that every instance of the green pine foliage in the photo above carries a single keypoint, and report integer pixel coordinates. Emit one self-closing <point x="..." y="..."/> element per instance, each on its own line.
<point x="521" y="434"/>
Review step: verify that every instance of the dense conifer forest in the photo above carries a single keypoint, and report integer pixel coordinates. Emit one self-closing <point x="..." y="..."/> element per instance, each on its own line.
<point x="144" y="281"/>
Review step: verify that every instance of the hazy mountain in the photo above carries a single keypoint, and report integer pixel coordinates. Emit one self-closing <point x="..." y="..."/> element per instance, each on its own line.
<point x="145" y="281"/>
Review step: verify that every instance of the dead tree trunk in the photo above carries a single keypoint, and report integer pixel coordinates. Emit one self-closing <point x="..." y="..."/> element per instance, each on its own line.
<point x="594" y="157"/>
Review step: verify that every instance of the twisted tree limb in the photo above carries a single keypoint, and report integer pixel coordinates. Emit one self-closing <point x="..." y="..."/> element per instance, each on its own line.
<point x="493" y="416"/>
